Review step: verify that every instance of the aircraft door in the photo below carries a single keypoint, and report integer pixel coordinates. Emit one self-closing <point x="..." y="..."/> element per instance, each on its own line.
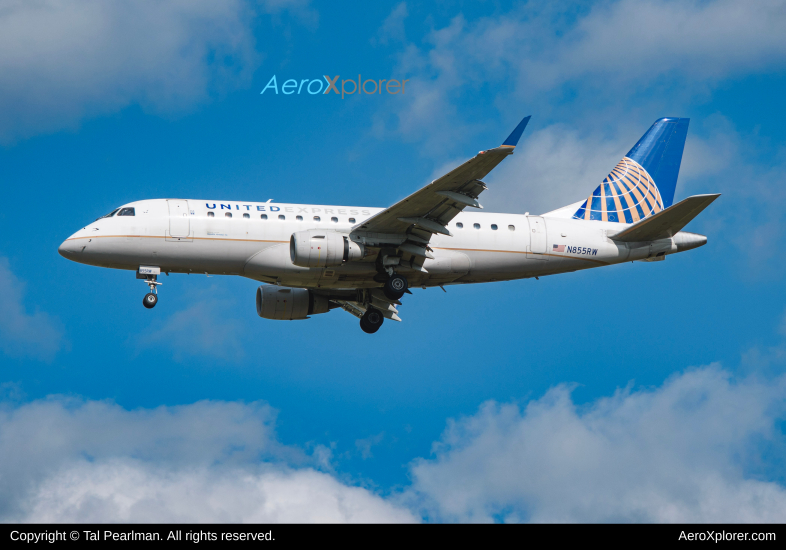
<point x="179" y="223"/>
<point x="537" y="236"/>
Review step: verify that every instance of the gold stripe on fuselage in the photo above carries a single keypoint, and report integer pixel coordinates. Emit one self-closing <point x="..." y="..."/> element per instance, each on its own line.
<point x="169" y="237"/>
<point x="267" y="241"/>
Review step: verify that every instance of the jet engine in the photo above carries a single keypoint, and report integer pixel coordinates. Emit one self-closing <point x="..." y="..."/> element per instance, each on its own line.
<point x="316" y="248"/>
<point x="289" y="304"/>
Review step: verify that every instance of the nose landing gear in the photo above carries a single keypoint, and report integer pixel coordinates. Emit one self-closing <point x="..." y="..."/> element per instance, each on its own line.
<point x="151" y="298"/>
<point x="149" y="274"/>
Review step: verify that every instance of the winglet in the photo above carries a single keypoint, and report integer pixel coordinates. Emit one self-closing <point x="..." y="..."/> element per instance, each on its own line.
<point x="515" y="135"/>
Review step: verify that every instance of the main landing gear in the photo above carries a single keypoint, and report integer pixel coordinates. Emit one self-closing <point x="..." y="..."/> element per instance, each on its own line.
<point x="395" y="287"/>
<point x="371" y="321"/>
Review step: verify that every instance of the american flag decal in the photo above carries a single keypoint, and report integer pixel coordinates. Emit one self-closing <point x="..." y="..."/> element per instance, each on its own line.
<point x="558" y="248"/>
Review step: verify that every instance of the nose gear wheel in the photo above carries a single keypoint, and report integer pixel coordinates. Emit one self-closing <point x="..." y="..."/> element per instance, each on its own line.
<point x="150" y="300"/>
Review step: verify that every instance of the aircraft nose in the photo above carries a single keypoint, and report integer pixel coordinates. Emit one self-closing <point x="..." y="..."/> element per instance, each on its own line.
<point x="67" y="249"/>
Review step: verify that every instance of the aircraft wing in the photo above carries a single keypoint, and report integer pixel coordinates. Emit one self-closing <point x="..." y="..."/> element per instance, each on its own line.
<point x="409" y="224"/>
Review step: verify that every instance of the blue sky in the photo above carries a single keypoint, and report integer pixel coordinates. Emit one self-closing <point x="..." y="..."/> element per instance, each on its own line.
<point x="639" y="392"/>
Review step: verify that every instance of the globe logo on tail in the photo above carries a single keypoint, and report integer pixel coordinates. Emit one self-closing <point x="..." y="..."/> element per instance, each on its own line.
<point x="628" y="194"/>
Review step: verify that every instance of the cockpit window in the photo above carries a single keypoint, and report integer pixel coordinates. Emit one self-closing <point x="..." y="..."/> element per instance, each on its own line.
<point x="112" y="213"/>
<point x="126" y="212"/>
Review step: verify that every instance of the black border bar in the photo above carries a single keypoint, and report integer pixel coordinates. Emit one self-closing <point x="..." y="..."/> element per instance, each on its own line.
<point x="273" y="534"/>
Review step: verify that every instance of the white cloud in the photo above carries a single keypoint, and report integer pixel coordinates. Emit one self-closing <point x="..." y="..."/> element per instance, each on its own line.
<point x="392" y="28"/>
<point x="202" y="329"/>
<point x="73" y="460"/>
<point x="62" y="60"/>
<point x="24" y="334"/>
<point x="650" y="39"/>
<point x="551" y="168"/>
<point x="536" y="54"/>
<point x="699" y="448"/>
<point x="127" y="491"/>
<point x="687" y="451"/>
<point x="364" y="445"/>
<point x="750" y="172"/>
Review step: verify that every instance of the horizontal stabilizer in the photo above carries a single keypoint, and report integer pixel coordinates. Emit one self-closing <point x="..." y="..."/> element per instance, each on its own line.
<point x="665" y="223"/>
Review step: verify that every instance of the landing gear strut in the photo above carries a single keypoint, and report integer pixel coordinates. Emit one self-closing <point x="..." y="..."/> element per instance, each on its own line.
<point x="395" y="287"/>
<point x="371" y="321"/>
<point x="151" y="298"/>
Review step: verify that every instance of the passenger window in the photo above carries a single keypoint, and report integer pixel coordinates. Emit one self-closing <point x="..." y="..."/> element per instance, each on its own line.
<point x="246" y="216"/>
<point x="299" y="218"/>
<point x="476" y="225"/>
<point x="126" y="212"/>
<point x="317" y="218"/>
<point x="263" y="216"/>
<point x="512" y="227"/>
<point x="282" y="217"/>
<point x="460" y="225"/>
<point x="211" y="214"/>
<point x="228" y="214"/>
<point x="493" y="226"/>
<point x="334" y="219"/>
<point x="351" y="220"/>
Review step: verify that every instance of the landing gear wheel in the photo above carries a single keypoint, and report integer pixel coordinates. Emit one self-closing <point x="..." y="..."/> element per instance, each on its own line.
<point x="371" y="321"/>
<point x="395" y="287"/>
<point x="150" y="300"/>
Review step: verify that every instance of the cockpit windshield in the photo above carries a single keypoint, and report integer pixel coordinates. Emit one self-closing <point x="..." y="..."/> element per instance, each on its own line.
<point x="127" y="212"/>
<point x="112" y="213"/>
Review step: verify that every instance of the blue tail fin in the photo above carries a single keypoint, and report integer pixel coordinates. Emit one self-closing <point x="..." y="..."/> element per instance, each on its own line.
<point x="644" y="181"/>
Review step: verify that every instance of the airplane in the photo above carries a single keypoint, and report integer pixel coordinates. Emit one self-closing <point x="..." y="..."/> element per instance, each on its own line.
<point x="315" y="258"/>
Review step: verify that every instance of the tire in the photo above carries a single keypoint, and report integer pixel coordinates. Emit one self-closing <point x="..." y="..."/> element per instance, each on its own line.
<point x="395" y="287"/>
<point x="150" y="300"/>
<point x="366" y="328"/>
<point x="371" y="321"/>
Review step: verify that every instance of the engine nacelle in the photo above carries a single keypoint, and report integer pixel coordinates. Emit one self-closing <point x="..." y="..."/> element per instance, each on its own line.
<point x="316" y="248"/>
<point x="289" y="304"/>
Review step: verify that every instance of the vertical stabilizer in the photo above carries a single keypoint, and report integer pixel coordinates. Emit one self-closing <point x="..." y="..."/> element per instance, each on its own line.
<point x="643" y="182"/>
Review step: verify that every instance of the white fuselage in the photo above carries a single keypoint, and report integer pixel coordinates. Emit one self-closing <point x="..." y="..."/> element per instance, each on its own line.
<point x="180" y="236"/>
